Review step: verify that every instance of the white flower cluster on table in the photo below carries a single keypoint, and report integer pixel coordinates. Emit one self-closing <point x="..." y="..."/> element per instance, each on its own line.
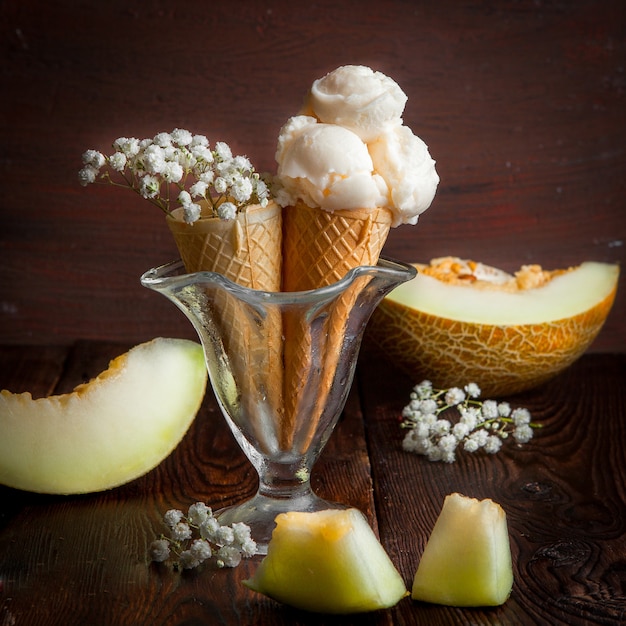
<point x="184" y="164"/>
<point x="227" y="544"/>
<point x="481" y="425"/>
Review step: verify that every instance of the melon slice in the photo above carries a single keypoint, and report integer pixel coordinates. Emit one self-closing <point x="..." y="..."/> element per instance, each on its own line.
<point x="459" y="321"/>
<point x="108" y="431"/>
<point x="467" y="560"/>
<point x="328" y="562"/>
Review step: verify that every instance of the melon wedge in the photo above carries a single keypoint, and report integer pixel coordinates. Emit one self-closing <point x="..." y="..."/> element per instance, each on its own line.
<point x="328" y="562"/>
<point x="108" y="431"/>
<point x="477" y="328"/>
<point x="467" y="560"/>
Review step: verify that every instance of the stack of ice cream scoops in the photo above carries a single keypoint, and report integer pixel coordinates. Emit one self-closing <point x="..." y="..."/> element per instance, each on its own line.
<point x="348" y="171"/>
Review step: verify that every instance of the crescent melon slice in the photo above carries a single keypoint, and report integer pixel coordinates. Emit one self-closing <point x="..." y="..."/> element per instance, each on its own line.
<point x="109" y="431"/>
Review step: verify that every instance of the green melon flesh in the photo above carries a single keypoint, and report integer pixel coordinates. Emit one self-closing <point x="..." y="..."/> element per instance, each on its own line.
<point x="328" y="562"/>
<point x="467" y="560"/>
<point x="563" y="297"/>
<point x="108" y="431"/>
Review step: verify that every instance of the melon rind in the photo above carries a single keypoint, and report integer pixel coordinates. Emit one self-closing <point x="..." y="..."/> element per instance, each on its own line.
<point x="502" y="358"/>
<point x="108" y="431"/>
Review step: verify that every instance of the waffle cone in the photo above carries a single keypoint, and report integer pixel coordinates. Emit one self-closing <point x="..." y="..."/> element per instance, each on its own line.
<point x="247" y="251"/>
<point x="320" y="248"/>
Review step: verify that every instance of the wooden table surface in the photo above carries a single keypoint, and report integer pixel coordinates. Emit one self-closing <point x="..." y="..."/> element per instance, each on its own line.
<point x="83" y="559"/>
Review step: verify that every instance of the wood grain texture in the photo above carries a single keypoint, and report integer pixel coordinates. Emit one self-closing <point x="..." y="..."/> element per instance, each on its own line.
<point x="521" y="103"/>
<point x="75" y="560"/>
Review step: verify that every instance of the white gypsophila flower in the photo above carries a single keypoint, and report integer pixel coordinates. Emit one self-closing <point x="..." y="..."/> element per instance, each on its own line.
<point x="153" y="159"/>
<point x="241" y="532"/>
<point x="191" y="213"/>
<point x="470" y="445"/>
<point x="220" y="184"/>
<point x="198" y="513"/>
<point x="202" y="155"/>
<point x="454" y="396"/>
<point x="480" y="437"/>
<point x="162" y="140"/>
<point x="128" y="146"/>
<point x="209" y="529"/>
<point x="160" y="550"/>
<point x="207" y="177"/>
<point x="492" y="444"/>
<point x="199" y="141"/>
<point x="489" y="409"/>
<point x="460" y="430"/>
<point x="201" y="549"/>
<point x="184" y="198"/>
<point x="248" y="548"/>
<point x="228" y="556"/>
<point x="227" y="211"/>
<point x="172" y="517"/>
<point x="241" y="190"/>
<point x="472" y="390"/>
<point x="94" y="158"/>
<point x="181" y="531"/>
<point x="118" y="161"/>
<point x="181" y="136"/>
<point x="520" y="416"/>
<point x="222" y="151"/>
<point x="441" y="427"/>
<point x="523" y="433"/>
<point x="172" y="171"/>
<point x="199" y="189"/>
<point x="87" y="175"/>
<point x="224" y="536"/>
<point x="149" y="186"/>
<point x="504" y="409"/>
<point x="428" y="406"/>
<point x="424" y="389"/>
<point x="187" y="560"/>
<point x="448" y="443"/>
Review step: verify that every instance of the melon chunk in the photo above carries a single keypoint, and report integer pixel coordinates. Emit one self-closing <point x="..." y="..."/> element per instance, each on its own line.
<point x="108" y="431"/>
<point x="467" y="560"/>
<point x="460" y="321"/>
<point x="328" y="562"/>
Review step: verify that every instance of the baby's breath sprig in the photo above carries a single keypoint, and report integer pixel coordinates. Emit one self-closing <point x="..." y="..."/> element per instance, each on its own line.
<point x="182" y="163"/>
<point x="482" y="424"/>
<point x="226" y="544"/>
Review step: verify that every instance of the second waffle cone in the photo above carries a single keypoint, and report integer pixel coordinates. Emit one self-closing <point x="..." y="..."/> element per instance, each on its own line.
<point x="320" y="248"/>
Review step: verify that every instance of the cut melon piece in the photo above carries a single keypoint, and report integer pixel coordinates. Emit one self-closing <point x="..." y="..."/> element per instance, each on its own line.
<point x="108" y="431"/>
<point x="467" y="560"/>
<point x="328" y="562"/>
<point x="459" y="321"/>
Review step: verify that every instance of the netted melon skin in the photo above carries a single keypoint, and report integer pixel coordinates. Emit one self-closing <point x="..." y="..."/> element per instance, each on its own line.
<point x="501" y="360"/>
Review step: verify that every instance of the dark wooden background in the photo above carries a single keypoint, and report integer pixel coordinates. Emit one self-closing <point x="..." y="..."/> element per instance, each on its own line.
<point x="521" y="102"/>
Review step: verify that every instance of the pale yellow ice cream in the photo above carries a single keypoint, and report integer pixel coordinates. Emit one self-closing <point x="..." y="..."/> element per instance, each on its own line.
<point x="352" y="151"/>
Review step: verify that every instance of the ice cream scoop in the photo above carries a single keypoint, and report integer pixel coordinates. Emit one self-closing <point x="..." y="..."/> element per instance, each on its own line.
<point x="358" y="98"/>
<point x="328" y="166"/>
<point x="403" y="161"/>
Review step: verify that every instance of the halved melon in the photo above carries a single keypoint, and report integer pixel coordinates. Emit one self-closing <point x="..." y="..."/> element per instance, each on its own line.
<point x="460" y="321"/>
<point x="108" y="431"/>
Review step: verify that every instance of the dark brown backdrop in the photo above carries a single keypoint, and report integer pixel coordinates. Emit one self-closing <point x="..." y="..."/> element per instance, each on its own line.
<point x="521" y="102"/>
